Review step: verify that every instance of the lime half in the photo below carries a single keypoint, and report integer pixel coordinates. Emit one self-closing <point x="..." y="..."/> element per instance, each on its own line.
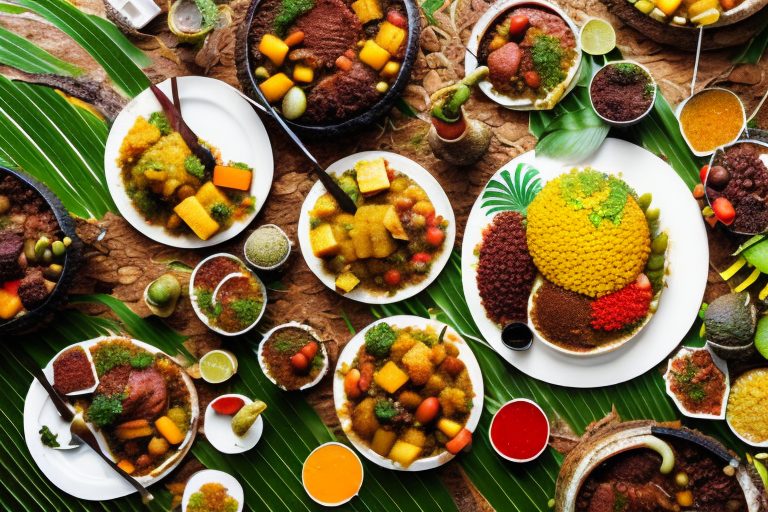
<point x="597" y="37"/>
<point x="217" y="366"/>
<point x="761" y="336"/>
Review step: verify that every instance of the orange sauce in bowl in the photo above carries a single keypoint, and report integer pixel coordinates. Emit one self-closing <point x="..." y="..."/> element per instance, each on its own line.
<point x="332" y="474"/>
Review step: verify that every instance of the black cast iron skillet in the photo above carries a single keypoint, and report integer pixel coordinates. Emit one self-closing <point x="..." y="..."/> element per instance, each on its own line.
<point x="38" y="316"/>
<point x="365" y="118"/>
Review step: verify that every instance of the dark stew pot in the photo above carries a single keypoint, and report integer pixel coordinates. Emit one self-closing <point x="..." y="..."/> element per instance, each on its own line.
<point x="247" y="63"/>
<point x="37" y="317"/>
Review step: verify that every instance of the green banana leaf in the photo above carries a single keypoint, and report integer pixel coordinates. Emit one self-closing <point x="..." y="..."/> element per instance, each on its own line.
<point x="17" y="52"/>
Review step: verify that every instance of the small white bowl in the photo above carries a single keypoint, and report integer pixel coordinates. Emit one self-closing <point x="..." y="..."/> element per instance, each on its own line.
<point x="679" y="111"/>
<point x="209" y="476"/>
<point x="49" y="372"/>
<point x="624" y="124"/>
<point x="193" y="297"/>
<point x="281" y="262"/>
<point x="218" y="429"/>
<point x="321" y="348"/>
<point x="362" y="470"/>
<point x="719" y="363"/>
<point x="498" y="10"/>
<point x="761" y="444"/>
<point x="549" y="431"/>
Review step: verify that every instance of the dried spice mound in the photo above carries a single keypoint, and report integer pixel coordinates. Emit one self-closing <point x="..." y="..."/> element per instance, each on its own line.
<point x="505" y="271"/>
<point x="621" y="309"/>
<point x="586" y="233"/>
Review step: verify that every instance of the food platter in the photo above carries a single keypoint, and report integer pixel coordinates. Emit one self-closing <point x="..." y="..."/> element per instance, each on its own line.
<point x="80" y="472"/>
<point x="234" y="489"/>
<point x="218" y="115"/>
<point x="422" y="178"/>
<point x="218" y="430"/>
<point x="679" y="304"/>
<point x="350" y="352"/>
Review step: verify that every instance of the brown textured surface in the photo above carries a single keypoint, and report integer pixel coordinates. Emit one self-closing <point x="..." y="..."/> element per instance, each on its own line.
<point x="122" y="262"/>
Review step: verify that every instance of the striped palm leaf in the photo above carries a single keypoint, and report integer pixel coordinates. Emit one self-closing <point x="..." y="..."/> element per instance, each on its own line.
<point x="510" y="193"/>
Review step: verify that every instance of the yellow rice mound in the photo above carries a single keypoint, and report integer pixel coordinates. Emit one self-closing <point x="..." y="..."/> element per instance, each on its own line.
<point x="747" y="411"/>
<point x="578" y="242"/>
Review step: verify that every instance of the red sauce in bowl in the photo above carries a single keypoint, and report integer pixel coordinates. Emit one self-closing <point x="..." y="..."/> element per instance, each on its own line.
<point x="519" y="431"/>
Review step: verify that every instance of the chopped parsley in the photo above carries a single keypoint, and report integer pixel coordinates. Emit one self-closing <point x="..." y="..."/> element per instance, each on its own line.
<point x="241" y="165"/>
<point x="48" y="438"/>
<point x="209" y="11"/>
<point x="548" y="56"/>
<point x="205" y="301"/>
<point x="142" y="360"/>
<point x="221" y="212"/>
<point x="289" y="11"/>
<point x="247" y="311"/>
<point x="385" y="410"/>
<point x="104" y="409"/>
<point x="158" y="120"/>
<point x="194" y="166"/>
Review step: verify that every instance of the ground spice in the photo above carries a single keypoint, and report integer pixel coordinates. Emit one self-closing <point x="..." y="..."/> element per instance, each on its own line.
<point x="622" y="92"/>
<point x="712" y="118"/>
<point x="698" y="383"/>
<point x="621" y="309"/>
<point x="747" y="412"/>
<point x="72" y="371"/>
<point x="266" y="247"/>
<point x="505" y="271"/>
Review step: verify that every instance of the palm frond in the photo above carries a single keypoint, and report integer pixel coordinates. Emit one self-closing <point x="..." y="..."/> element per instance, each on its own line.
<point x="512" y="194"/>
<point x="17" y="52"/>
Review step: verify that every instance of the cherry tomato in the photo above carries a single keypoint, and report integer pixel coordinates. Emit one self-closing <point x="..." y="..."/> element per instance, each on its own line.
<point x="449" y="131"/>
<point x="434" y="236"/>
<point x="309" y="350"/>
<point x="12" y="287"/>
<point x="299" y="361"/>
<point x="427" y="410"/>
<point x="430" y="220"/>
<point x="392" y="277"/>
<point x="724" y="211"/>
<point x="517" y="25"/>
<point x="703" y="173"/>
<point x="421" y="257"/>
<point x="397" y="19"/>
<point x="461" y="441"/>
<point x="351" y="380"/>
<point x="228" y="405"/>
<point x="532" y="79"/>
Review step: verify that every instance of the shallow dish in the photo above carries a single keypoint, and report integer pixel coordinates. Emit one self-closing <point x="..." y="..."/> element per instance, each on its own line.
<point x="304" y="477"/>
<point x="544" y="445"/>
<point x="758" y="444"/>
<point x="218" y="429"/>
<point x="276" y="265"/>
<point x="679" y="111"/>
<point x="719" y="363"/>
<point x="218" y="115"/>
<point x="471" y="63"/>
<point x="623" y="124"/>
<point x="208" y="476"/>
<point x="348" y="355"/>
<point x="321" y="350"/>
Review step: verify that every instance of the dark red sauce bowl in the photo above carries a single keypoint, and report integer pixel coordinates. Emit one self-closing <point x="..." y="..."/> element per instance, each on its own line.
<point x="519" y="430"/>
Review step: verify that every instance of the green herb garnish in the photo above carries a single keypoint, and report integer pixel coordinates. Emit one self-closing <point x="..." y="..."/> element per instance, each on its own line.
<point x="547" y="56"/>
<point x="104" y="409"/>
<point x="209" y="11"/>
<point x="221" y="212"/>
<point x="142" y="360"/>
<point x="379" y="339"/>
<point x="385" y="410"/>
<point x="194" y="166"/>
<point x="289" y="11"/>
<point x="241" y="165"/>
<point x="158" y="120"/>
<point x="48" y="438"/>
<point x="110" y="356"/>
<point x="247" y="311"/>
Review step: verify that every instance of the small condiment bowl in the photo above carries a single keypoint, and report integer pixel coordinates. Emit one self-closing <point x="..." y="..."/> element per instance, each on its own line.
<point x="339" y="503"/>
<point x="681" y="107"/>
<point x="218" y="429"/>
<point x="719" y="363"/>
<point x="758" y="444"/>
<point x="208" y="476"/>
<point x="624" y="124"/>
<point x="321" y="348"/>
<point x="49" y="372"/>
<point x="193" y="299"/>
<point x="511" y="459"/>
<point x="277" y="265"/>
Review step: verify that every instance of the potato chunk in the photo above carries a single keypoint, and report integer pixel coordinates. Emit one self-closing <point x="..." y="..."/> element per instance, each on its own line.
<point x="323" y="242"/>
<point x="372" y="176"/>
<point x="390" y="377"/>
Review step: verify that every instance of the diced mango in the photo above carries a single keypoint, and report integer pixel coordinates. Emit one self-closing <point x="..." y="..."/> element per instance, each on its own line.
<point x="302" y="73"/>
<point x="347" y="250"/>
<point x="232" y="177"/>
<point x="448" y="427"/>
<point x="347" y="281"/>
<point x="708" y="17"/>
<point x="275" y="87"/>
<point x="390" y="378"/>
<point x="196" y="217"/>
<point x="126" y="466"/>
<point x="372" y="176"/>
<point x="390" y="69"/>
<point x="325" y="206"/>
<point x="390" y="37"/>
<point x="394" y="225"/>
<point x="702" y="6"/>
<point x="668" y="7"/>
<point x="382" y="441"/>
<point x="10" y="305"/>
<point x="323" y="242"/>
<point x="644" y="6"/>
<point x="169" y="430"/>
<point x="273" y="48"/>
<point x="369" y="235"/>
<point x="404" y="453"/>
<point x="497" y="42"/>
<point x="209" y="194"/>
<point x="367" y="10"/>
<point x="373" y="55"/>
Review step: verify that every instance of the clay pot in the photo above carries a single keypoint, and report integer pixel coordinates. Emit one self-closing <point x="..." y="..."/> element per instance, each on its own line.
<point x="464" y="150"/>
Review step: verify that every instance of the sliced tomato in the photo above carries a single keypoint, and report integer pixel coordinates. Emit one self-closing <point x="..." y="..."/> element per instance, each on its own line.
<point x="227" y="405"/>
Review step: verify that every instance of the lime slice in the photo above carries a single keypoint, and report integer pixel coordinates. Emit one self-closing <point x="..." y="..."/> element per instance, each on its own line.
<point x="217" y="366"/>
<point x="597" y="37"/>
<point x="761" y="336"/>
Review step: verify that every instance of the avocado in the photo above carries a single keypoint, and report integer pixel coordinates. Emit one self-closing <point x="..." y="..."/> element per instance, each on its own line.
<point x="730" y="320"/>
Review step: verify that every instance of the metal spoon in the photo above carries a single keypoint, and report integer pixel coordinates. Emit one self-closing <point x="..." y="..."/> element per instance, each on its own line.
<point x="517" y="336"/>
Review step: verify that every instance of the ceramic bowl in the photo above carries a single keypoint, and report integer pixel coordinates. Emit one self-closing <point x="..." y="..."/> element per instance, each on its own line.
<point x="278" y="264"/>
<point x="624" y="124"/>
<point x="321" y="348"/>
<point x="679" y="111"/>
<point x="721" y="365"/>
<point x="208" y="476"/>
<point x="511" y="459"/>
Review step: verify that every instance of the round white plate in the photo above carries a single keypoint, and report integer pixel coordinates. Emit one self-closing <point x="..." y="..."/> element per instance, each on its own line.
<point x="218" y="429"/>
<point x="80" y="472"/>
<point x="210" y="476"/>
<point x="687" y="267"/>
<point x="217" y="115"/>
<point x="418" y="174"/>
<point x="465" y="354"/>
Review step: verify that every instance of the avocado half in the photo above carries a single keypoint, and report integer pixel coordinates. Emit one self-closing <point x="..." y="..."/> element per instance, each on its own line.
<point x="729" y="323"/>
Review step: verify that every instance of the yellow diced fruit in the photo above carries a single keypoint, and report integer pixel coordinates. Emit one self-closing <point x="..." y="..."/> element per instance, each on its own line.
<point x="372" y="176"/>
<point x="209" y="194"/>
<point x="390" y="69"/>
<point x="702" y="6"/>
<point x="373" y="55"/>
<point x="404" y="453"/>
<point x="394" y="225"/>
<point x="369" y="235"/>
<point x="668" y="7"/>
<point x="273" y="48"/>
<point x="390" y="378"/>
<point x="658" y="15"/>
<point x="302" y="73"/>
<point x="10" y="305"/>
<point x="708" y="17"/>
<point x="367" y="10"/>
<point x="275" y="87"/>
<point x="323" y="242"/>
<point x="382" y="441"/>
<point x="325" y="206"/>
<point x="347" y="281"/>
<point x="497" y="42"/>
<point x="347" y="250"/>
<point x="449" y="427"/>
<point x="196" y="217"/>
<point x="390" y="37"/>
<point x="644" y="6"/>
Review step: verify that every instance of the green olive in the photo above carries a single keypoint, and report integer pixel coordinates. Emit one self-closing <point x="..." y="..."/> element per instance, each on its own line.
<point x="681" y="479"/>
<point x="261" y="73"/>
<point x="655" y="262"/>
<point x="294" y="103"/>
<point x="58" y="248"/>
<point x="644" y="201"/>
<point x="652" y="214"/>
<point x="47" y="256"/>
<point x="163" y="290"/>
<point x="41" y="245"/>
<point x="29" y="250"/>
<point x="67" y="241"/>
<point x="659" y="244"/>
<point x="53" y="272"/>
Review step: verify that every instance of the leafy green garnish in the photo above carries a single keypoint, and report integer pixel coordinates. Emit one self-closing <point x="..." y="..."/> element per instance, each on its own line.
<point x="247" y="311"/>
<point x="209" y="11"/>
<point x="159" y="120"/>
<point x="289" y="11"/>
<point x="221" y="212"/>
<point x="194" y="166"/>
<point x="515" y="195"/>
<point x="48" y="438"/>
<point x="379" y="339"/>
<point x="110" y="356"/>
<point x="241" y="165"/>
<point x="385" y="410"/>
<point x="547" y="56"/>
<point x="144" y="201"/>
<point x="104" y="409"/>
<point x="142" y="360"/>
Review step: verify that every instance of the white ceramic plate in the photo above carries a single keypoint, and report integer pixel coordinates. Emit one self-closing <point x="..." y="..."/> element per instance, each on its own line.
<point x="418" y="174"/>
<point x="687" y="267"/>
<point x="321" y="348"/>
<point x="218" y="429"/>
<point x="81" y="472"/>
<point x="219" y="116"/>
<point x="465" y="354"/>
<point x="210" y="476"/>
<point x="496" y="10"/>
<point x="719" y="363"/>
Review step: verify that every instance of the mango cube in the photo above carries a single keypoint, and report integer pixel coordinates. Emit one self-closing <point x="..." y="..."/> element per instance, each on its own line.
<point x="347" y="281"/>
<point x="668" y="7"/>
<point x="302" y="73"/>
<point x="373" y="55"/>
<point x="394" y="225"/>
<point x="372" y="176"/>
<point x="404" y="453"/>
<point x="382" y="441"/>
<point x="196" y="217"/>
<point x="209" y="194"/>
<point x="273" y="48"/>
<point x="390" y="37"/>
<point x="275" y="87"/>
<point x="325" y="206"/>
<point x="323" y="242"/>
<point x="390" y="378"/>
<point x="370" y="237"/>
<point x="367" y="10"/>
<point x="10" y="305"/>
<point x="449" y="427"/>
<point x="701" y="6"/>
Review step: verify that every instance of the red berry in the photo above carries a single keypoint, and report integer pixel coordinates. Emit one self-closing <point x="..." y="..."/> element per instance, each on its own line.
<point x="392" y="277"/>
<point x="724" y="211"/>
<point x="228" y="405"/>
<point x="703" y="173"/>
<point x="310" y="350"/>
<point x="299" y="361"/>
<point x="421" y="257"/>
<point x="397" y="19"/>
<point x="434" y="236"/>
